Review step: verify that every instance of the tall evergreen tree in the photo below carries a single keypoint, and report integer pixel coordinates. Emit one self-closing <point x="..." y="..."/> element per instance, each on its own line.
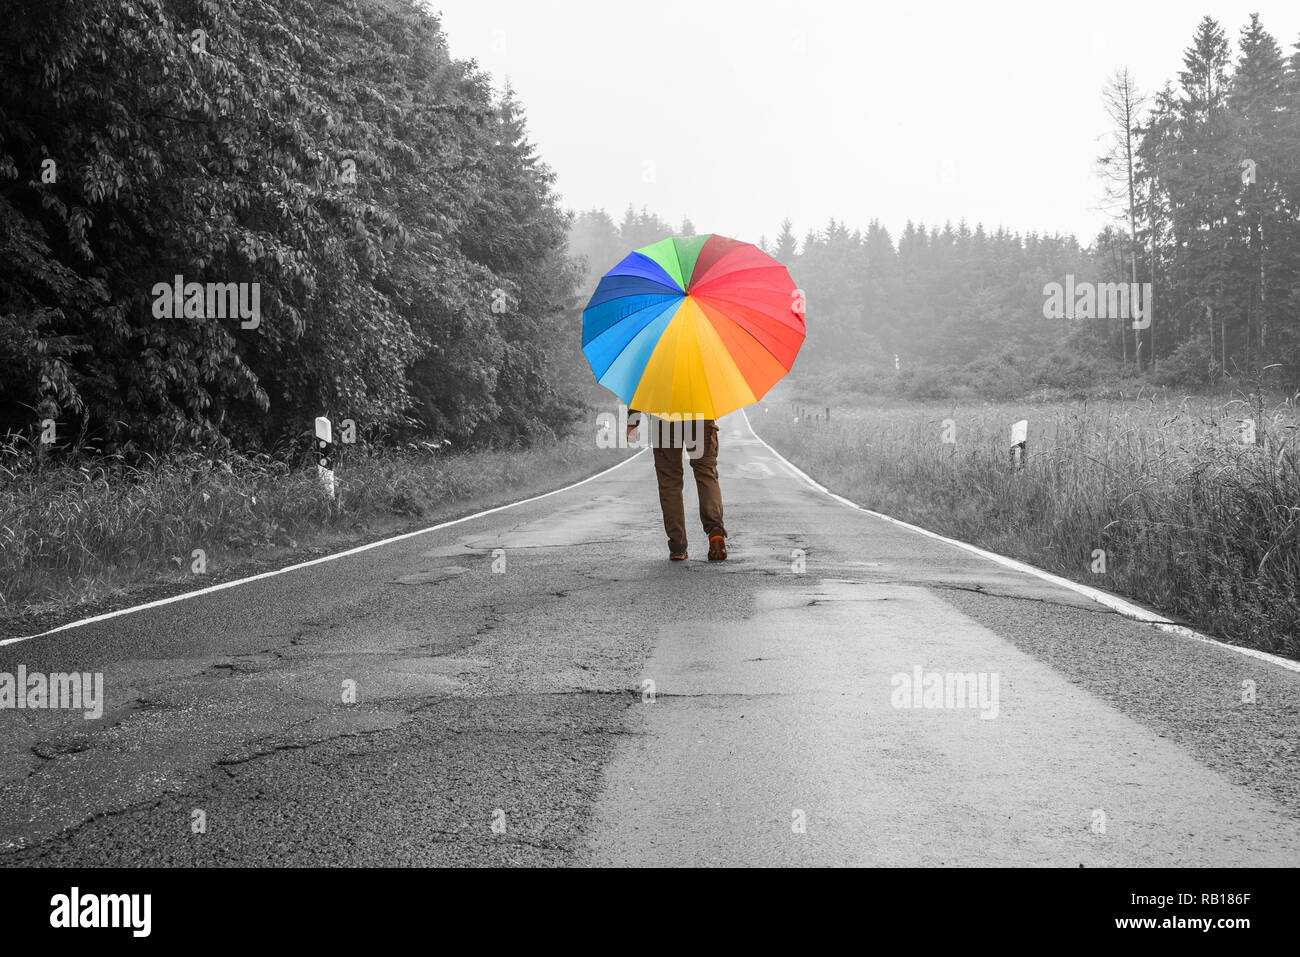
<point x="787" y="246"/>
<point x="1257" y="101"/>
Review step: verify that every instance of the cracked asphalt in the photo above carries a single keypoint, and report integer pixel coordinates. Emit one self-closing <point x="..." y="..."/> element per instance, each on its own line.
<point x="541" y="687"/>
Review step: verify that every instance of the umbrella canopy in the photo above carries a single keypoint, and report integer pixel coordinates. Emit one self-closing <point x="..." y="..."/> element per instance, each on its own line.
<point x="698" y="326"/>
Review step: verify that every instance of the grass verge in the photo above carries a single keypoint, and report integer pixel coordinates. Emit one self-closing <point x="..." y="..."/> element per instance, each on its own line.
<point x="84" y="533"/>
<point x="1169" y="503"/>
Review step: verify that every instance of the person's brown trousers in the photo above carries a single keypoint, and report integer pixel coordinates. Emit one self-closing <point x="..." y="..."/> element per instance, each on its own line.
<point x="669" y="441"/>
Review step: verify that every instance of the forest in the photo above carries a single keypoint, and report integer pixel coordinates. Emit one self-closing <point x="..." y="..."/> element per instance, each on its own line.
<point x="404" y="240"/>
<point x="415" y="271"/>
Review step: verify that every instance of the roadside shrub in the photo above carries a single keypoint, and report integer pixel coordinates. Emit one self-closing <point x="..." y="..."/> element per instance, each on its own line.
<point x="1072" y="374"/>
<point x="994" y="377"/>
<point x="930" y="383"/>
<point x="1190" y="366"/>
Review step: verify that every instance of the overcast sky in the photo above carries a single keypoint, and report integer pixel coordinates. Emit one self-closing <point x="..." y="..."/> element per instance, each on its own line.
<point x="738" y="113"/>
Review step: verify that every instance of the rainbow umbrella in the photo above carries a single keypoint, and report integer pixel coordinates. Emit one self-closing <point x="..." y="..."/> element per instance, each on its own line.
<point x="698" y="326"/>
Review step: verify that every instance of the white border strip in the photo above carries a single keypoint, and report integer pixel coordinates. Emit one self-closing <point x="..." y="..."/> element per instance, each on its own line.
<point x="315" y="561"/>
<point x="1113" y="602"/>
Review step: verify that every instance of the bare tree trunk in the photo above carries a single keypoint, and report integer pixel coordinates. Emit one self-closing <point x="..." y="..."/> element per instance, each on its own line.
<point x="1151" y="304"/>
<point x="1263" y="296"/>
<point x="1209" y="311"/>
<point x="1123" y="103"/>
<point x="1132" y="188"/>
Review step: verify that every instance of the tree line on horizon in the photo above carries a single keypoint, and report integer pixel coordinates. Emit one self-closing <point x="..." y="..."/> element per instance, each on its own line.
<point x="897" y="309"/>
<point x="1205" y="188"/>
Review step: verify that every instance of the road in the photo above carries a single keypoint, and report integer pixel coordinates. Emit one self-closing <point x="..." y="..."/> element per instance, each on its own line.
<point x="539" y="686"/>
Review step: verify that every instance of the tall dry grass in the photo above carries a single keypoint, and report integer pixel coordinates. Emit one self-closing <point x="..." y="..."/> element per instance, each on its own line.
<point x="1193" y="520"/>
<point x="87" y="527"/>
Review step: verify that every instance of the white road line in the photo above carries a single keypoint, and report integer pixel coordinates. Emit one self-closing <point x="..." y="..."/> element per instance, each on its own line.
<point x="1114" y="602"/>
<point x="315" y="561"/>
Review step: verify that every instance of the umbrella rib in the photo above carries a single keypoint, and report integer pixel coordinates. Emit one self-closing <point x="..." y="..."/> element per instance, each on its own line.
<point x="629" y="316"/>
<point x="731" y="276"/>
<point x="717" y="351"/>
<point x="627" y="344"/>
<point x="713" y="273"/>
<point x="737" y="302"/>
<point x="748" y="335"/>
<point x="681" y="267"/>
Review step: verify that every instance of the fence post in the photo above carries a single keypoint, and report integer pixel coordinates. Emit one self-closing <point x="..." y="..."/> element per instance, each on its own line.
<point x="1019" y="443"/>
<point x="325" y="454"/>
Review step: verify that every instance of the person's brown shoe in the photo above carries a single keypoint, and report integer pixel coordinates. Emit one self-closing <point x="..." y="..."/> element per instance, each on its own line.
<point x="677" y="558"/>
<point x="717" y="549"/>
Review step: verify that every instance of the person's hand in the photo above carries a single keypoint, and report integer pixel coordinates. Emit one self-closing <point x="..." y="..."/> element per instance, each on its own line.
<point x="631" y="434"/>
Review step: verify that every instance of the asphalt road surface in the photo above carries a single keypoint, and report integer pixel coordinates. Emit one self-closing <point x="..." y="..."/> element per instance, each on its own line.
<point x="540" y="686"/>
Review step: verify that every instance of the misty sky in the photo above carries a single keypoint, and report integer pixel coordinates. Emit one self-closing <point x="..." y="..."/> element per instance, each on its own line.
<point x="740" y="112"/>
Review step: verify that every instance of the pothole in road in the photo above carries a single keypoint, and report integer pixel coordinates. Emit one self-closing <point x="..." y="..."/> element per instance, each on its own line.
<point x="449" y="646"/>
<point x="450" y="551"/>
<point x="49" y="750"/>
<point x="432" y="576"/>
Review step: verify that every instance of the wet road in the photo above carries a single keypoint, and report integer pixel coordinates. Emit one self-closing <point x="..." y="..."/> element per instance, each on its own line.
<point x="540" y="686"/>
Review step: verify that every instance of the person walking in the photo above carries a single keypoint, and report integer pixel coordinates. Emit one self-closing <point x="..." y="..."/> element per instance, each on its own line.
<point x="699" y="438"/>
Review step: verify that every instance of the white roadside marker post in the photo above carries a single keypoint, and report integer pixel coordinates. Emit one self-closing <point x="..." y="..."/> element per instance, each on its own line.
<point x="1019" y="443"/>
<point x="325" y="454"/>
